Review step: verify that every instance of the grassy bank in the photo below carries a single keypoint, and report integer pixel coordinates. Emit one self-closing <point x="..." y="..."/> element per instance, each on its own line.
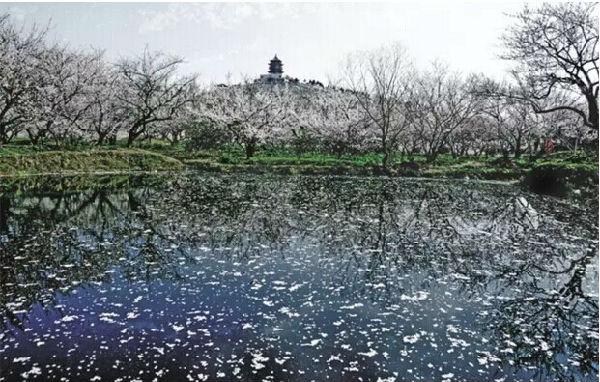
<point x="19" y="161"/>
<point x="564" y="174"/>
<point x="369" y="164"/>
<point x="557" y="174"/>
<point x="305" y="167"/>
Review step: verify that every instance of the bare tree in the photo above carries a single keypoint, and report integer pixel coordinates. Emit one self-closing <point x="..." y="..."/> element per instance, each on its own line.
<point x="19" y="61"/>
<point x="381" y="81"/>
<point x="443" y="103"/>
<point x="555" y="47"/>
<point x="513" y="123"/>
<point x="104" y="117"/>
<point x="151" y="92"/>
<point x="471" y="138"/>
<point x="517" y="127"/>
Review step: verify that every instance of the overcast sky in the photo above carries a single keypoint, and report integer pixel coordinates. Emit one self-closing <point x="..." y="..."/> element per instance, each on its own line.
<point x="310" y="39"/>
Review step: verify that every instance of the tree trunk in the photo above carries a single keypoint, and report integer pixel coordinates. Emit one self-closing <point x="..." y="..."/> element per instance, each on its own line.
<point x="517" y="151"/>
<point x="4" y="213"/>
<point x="384" y="162"/>
<point x="135" y="131"/>
<point x="3" y="136"/>
<point x="592" y="110"/>
<point x="250" y="147"/>
<point x="518" y="145"/>
<point x="431" y="156"/>
<point x="131" y="137"/>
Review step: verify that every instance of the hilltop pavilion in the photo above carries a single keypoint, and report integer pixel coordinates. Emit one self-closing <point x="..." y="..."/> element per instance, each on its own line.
<point x="275" y="74"/>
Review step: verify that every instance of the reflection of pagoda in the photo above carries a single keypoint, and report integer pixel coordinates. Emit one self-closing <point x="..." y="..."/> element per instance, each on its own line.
<point x="275" y="72"/>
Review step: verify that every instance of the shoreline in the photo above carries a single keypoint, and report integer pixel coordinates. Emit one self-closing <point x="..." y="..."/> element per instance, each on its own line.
<point x="61" y="162"/>
<point x="482" y="173"/>
<point x="89" y="173"/>
<point x="562" y="174"/>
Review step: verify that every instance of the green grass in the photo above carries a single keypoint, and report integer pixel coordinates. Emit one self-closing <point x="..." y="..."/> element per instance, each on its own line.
<point x="472" y="168"/>
<point x="32" y="161"/>
<point x="577" y="168"/>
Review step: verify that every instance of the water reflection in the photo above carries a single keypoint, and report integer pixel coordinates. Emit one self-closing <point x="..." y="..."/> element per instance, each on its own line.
<point x="297" y="278"/>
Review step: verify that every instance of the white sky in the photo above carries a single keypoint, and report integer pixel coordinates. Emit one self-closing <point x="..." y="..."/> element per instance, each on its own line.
<point x="310" y="39"/>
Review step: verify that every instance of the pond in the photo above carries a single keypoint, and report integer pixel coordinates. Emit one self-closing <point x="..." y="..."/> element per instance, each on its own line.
<point x="262" y="278"/>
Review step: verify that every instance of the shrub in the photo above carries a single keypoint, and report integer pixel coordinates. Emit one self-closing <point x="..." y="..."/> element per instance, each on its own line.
<point x="556" y="178"/>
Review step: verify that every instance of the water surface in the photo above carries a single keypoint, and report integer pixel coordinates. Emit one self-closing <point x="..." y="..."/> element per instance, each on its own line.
<point x="247" y="277"/>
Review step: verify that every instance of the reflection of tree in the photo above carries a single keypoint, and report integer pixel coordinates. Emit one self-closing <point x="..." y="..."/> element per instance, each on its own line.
<point x="55" y="241"/>
<point x="545" y="321"/>
<point x="4" y="213"/>
<point x="498" y="245"/>
<point x="373" y="229"/>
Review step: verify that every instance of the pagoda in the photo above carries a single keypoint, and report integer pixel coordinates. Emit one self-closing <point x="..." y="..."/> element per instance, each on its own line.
<point x="276" y="66"/>
<point x="275" y="74"/>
